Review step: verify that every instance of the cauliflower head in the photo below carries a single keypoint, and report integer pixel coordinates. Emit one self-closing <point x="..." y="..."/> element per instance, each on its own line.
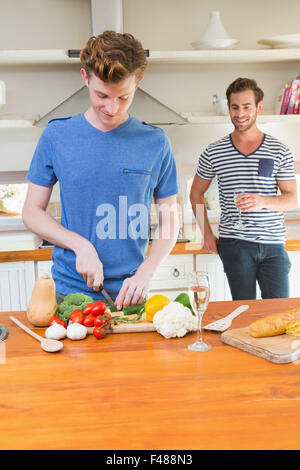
<point x="174" y="320"/>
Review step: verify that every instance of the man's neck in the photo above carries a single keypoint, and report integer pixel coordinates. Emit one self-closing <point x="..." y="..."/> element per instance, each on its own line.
<point x="249" y="141"/>
<point x="250" y="136"/>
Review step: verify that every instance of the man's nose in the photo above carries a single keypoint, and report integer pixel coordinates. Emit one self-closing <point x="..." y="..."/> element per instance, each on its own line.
<point x="112" y="107"/>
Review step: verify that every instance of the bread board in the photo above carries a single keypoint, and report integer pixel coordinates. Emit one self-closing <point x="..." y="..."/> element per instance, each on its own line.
<point x="280" y="349"/>
<point x="141" y="326"/>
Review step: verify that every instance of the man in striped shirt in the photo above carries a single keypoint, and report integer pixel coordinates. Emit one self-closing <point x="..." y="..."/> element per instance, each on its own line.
<point x="251" y="231"/>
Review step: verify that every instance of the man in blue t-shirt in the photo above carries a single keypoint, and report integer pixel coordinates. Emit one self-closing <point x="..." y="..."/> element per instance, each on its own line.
<point x="109" y="167"/>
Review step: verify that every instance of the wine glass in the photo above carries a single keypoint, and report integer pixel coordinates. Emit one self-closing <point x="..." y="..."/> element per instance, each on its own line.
<point x="239" y="225"/>
<point x="198" y="291"/>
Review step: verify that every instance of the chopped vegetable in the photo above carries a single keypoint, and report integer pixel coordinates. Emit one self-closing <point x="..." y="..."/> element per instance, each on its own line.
<point x="154" y="304"/>
<point x="132" y="317"/>
<point x="130" y="310"/>
<point x="72" y="302"/>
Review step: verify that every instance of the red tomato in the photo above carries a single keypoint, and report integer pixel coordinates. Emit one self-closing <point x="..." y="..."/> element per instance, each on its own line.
<point x="99" y="321"/>
<point x="99" y="332"/>
<point x="87" y="309"/>
<point x="103" y="320"/>
<point x="98" y="308"/>
<point x="57" y="320"/>
<point x="107" y="316"/>
<point x="89" y="320"/>
<point x="77" y="316"/>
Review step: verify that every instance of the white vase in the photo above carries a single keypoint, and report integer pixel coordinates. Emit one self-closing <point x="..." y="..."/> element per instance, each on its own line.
<point x="215" y="29"/>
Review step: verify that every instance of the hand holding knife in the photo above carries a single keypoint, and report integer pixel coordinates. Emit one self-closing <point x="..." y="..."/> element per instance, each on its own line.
<point x="105" y="294"/>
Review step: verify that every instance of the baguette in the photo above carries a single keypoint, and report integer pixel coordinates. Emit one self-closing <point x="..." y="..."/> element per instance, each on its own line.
<point x="274" y="324"/>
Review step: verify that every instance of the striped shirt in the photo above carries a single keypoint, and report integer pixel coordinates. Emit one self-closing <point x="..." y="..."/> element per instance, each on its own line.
<point x="258" y="173"/>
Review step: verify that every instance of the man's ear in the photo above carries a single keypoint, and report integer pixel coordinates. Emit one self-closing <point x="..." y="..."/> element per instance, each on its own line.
<point x="259" y="107"/>
<point x="84" y="76"/>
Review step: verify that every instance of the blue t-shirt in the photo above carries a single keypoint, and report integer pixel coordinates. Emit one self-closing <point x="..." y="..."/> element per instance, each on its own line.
<point x="107" y="182"/>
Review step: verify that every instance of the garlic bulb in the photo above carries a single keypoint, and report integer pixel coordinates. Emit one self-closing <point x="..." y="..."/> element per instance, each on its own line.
<point x="76" y="331"/>
<point x="56" y="331"/>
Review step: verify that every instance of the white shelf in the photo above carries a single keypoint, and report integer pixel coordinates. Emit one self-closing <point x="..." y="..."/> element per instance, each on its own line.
<point x="194" y="118"/>
<point x="39" y="56"/>
<point x="225" y="56"/>
<point x="13" y="123"/>
<point x="60" y="56"/>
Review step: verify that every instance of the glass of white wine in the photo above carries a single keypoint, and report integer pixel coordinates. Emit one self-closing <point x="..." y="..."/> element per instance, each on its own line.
<point x="239" y="224"/>
<point x="199" y="291"/>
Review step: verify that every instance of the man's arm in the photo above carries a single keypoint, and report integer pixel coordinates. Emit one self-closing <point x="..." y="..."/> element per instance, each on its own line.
<point x="37" y="220"/>
<point x="134" y="289"/>
<point x="198" y="189"/>
<point x="285" y="201"/>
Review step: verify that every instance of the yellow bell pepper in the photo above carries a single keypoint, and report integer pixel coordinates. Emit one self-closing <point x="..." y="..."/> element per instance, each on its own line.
<point x="154" y="304"/>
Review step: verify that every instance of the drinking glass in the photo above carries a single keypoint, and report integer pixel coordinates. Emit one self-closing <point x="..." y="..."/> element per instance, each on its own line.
<point x="239" y="225"/>
<point x="199" y="290"/>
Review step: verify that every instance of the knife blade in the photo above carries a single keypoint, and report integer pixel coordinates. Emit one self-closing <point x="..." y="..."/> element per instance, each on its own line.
<point x="106" y="295"/>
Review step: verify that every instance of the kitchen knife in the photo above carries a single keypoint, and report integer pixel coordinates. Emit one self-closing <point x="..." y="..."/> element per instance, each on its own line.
<point x="106" y="295"/>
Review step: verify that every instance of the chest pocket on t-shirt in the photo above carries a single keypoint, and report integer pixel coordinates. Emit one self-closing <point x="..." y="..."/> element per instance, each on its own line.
<point x="265" y="167"/>
<point x="137" y="184"/>
<point x="137" y="172"/>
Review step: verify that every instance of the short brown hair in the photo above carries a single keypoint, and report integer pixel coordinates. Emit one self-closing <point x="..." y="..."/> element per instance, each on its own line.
<point x="243" y="84"/>
<point x="113" y="56"/>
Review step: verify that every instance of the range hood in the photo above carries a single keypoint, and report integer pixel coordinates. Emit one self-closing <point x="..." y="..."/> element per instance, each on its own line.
<point x="144" y="107"/>
<point x="109" y="15"/>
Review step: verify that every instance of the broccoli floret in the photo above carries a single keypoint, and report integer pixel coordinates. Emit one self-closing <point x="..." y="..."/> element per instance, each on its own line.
<point x="72" y="302"/>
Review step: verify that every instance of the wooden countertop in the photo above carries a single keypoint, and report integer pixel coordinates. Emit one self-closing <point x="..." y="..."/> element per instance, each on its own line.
<point x="44" y="254"/>
<point x="179" y="249"/>
<point x="142" y="391"/>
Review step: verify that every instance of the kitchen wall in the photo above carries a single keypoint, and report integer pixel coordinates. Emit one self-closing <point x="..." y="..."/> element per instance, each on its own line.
<point x="160" y="25"/>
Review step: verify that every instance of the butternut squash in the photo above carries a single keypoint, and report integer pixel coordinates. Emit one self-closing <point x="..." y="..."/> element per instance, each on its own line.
<point x="42" y="305"/>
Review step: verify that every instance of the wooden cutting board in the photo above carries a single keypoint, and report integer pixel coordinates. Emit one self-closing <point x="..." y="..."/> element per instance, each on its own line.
<point x="280" y="349"/>
<point x="141" y="326"/>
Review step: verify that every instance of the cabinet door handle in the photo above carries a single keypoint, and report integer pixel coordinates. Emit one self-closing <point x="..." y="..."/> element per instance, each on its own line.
<point x="176" y="272"/>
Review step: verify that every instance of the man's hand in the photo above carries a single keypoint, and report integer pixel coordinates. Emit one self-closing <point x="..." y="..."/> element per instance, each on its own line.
<point x="134" y="289"/>
<point x="285" y="201"/>
<point x="210" y="243"/>
<point x="250" y="202"/>
<point x="89" y="266"/>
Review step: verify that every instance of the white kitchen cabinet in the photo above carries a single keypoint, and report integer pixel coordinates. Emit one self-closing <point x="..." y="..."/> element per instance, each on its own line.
<point x="43" y="267"/>
<point x="212" y="264"/>
<point x="294" y="275"/>
<point x="170" y="278"/>
<point x="16" y="284"/>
